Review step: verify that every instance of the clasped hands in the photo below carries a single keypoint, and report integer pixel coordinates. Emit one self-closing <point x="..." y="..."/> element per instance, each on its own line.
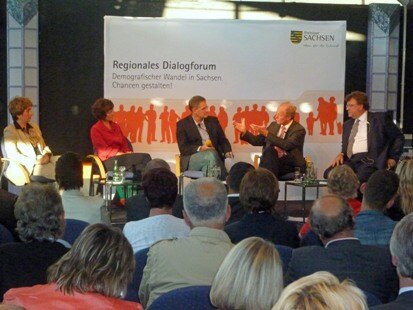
<point x="43" y="159"/>
<point x="208" y="146"/>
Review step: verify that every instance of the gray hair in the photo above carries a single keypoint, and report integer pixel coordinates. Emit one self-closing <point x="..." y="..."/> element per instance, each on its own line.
<point x="401" y="246"/>
<point x="330" y="215"/>
<point x="205" y="202"/>
<point x="39" y="213"/>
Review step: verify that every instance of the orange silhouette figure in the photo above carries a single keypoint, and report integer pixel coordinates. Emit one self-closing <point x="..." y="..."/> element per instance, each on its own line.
<point x="264" y="116"/>
<point x="310" y="123"/>
<point x="164" y="117"/>
<point x="131" y="127"/>
<point x="140" y="117"/>
<point x="339" y="128"/>
<point x="150" y="116"/>
<point x="331" y="114"/>
<point x="255" y="116"/>
<point x="323" y="107"/>
<point x="119" y="117"/>
<point x="212" y="111"/>
<point x="223" y="118"/>
<point x="173" y="119"/>
<point x="237" y="118"/>
<point x="186" y="113"/>
<point x="246" y="115"/>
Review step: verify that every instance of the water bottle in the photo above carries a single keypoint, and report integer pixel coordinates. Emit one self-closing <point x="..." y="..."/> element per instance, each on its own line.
<point x="117" y="177"/>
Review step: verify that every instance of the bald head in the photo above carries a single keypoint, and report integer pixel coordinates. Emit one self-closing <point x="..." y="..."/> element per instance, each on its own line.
<point x="331" y="215"/>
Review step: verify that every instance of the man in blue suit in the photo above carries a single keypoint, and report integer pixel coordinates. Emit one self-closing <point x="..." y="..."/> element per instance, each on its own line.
<point x="370" y="140"/>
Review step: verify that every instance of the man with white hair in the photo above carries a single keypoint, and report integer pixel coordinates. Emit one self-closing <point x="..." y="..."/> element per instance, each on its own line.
<point x="193" y="260"/>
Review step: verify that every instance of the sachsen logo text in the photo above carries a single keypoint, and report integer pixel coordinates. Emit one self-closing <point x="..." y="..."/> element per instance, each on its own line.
<point x="310" y="37"/>
<point x="296" y="36"/>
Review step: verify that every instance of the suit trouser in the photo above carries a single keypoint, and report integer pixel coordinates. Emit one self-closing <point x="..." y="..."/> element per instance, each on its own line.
<point x="205" y="160"/>
<point x="279" y="166"/>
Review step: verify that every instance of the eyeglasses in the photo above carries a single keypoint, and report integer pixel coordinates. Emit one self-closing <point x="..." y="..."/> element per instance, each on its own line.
<point x="351" y="105"/>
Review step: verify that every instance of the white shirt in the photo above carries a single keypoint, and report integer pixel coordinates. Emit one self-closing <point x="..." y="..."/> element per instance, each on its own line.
<point x="360" y="140"/>
<point x="143" y="233"/>
<point x="80" y="207"/>
<point x="286" y="128"/>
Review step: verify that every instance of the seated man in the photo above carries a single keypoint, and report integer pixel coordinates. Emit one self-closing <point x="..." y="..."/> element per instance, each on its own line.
<point x="160" y="187"/>
<point x="401" y="248"/>
<point x="372" y="226"/>
<point x="370" y="141"/>
<point x="258" y="195"/>
<point x="282" y="142"/>
<point x="343" y="255"/>
<point x="193" y="260"/>
<point x="201" y="140"/>
<point x="69" y="177"/>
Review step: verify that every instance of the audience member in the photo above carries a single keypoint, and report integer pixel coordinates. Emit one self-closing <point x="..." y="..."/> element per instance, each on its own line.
<point x="24" y="143"/>
<point x="160" y="187"/>
<point x="107" y="137"/>
<point x="321" y="291"/>
<point x="405" y="172"/>
<point x="401" y="248"/>
<point x="250" y="277"/>
<point x="40" y="223"/>
<point x="137" y="207"/>
<point x="69" y="177"/>
<point x="371" y="225"/>
<point x="342" y="181"/>
<point x="94" y="274"/>
<point x="234" y="178"/>
<point x="193" y="260"/>
<point x="258" y="195"/>
<point x="7" y="218"/>
<point x="344" y="256"/>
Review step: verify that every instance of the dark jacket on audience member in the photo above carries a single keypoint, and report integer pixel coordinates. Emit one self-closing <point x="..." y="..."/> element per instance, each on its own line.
<point x="265" y="225"/>
<point x="7" y="219"/>
<point x="369" y="267"/>
<point x="403" y="302"/>
<point x="25" y="264"/>
<point x="237" y="211"/>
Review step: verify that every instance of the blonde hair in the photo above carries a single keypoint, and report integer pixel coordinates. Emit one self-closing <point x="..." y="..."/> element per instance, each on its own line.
<point x="101" y="261"/>
<point x="250" y="277"/>
<point x="405" y="172"/>
<point x="343" y="182"/>
<point x="321" y="291"/>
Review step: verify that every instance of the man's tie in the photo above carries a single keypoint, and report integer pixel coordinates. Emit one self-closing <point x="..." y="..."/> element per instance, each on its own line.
<point x="281" y="135"/>
<point x="353" y="133"/>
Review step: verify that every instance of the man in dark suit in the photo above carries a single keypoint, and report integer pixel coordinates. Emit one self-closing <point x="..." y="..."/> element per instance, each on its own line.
<point x="370" y="141"/>
<point x="401" y="247"/>
<point x="282" y="141"/>
<point x="343" y="255"/>
<point x="201" y="140"/>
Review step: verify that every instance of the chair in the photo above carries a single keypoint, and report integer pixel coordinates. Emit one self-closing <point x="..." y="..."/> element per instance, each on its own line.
<point x="132" y="293"/>
<point x="73" y="229"/>
<point x="192" y="174"/>
<point x="372" y="300"/>
<point x="286" y="177"/>
<point x="286" y="253"/>
<point x="14" y="167"/>
<point x="185" y="298"/>
<point x="5" y="235"/>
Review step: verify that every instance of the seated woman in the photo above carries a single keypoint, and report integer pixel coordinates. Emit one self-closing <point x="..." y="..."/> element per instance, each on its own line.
<point x="40" y="224"/>
<point x="107" y="137"/>
<point x="250" y="277"/>
<point x="24" y="142"/>
<point x="94" y="274"/>
<point x="321" y="291"/>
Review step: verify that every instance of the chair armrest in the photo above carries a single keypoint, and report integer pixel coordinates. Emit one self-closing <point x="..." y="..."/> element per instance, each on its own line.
<point x="98" y="162"/>
<point x="177" y="165"/>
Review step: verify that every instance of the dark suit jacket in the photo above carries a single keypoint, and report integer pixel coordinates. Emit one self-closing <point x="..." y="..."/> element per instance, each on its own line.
<point x="7" y="219"/>
<point x="368" y="266"/>
<point x="293" y="141"/>
<point x="264" y="225"/>
<point x="403" y="302"/>
<point x="189" y="138"/>
<point x="384" y="138"/>
<point x="237" y="211"/>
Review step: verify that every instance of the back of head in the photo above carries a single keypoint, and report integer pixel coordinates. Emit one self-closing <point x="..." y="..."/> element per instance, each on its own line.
<point x="401" y="246"/>
<point x="69" y="171"/>
<point x="342" y="181"/>
<point x="205" y="202"/>
<point x="157" y="163"/>
<point x="405" y="172"/>
<point x="39" y="213"/>
<point x="160" y="187"/>
<point x="236" y="173"/>
<point x="100" y="261"/>
<point x="321" y="291"/>
<point x="331" y="215"/>
<point x="250" y="277"/>
<point x="381" y="187"/>
<point x="259" y="191"/>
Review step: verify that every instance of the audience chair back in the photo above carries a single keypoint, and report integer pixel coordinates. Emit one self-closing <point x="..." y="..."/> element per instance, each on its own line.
<point x="73" y="229"/>
<point x="132" y="294"/>
<point x="285" y="254"/>
<point x="5" y="235"/>
<point x="191" y="297"/>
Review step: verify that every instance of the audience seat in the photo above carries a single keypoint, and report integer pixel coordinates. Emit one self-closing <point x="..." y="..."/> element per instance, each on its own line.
<point x="73" y="229"/>
<point x="5" y="235"/>
<point x="132" y="294"/>
<point x="186" y="298"/>
<point x="285" y="254"/>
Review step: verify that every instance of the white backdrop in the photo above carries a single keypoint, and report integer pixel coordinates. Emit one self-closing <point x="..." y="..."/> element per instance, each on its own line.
<point x="154" y="65"/>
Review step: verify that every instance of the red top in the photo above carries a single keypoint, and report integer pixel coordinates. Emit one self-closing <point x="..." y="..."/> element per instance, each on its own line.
<point x="49" y="297"/>
<point x="108" y="142"/>
<point x="353" y="203"/>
